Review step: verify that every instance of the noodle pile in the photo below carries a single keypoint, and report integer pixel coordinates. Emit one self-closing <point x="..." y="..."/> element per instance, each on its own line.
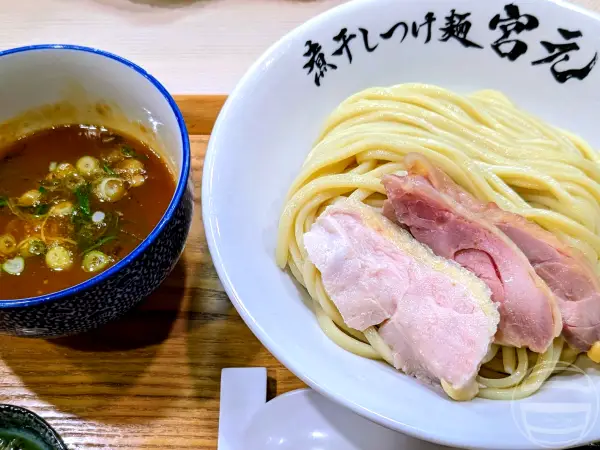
<point x="493" y="150"/>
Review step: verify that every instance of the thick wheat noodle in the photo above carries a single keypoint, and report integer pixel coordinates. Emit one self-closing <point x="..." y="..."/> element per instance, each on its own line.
<point x="509" y="359"/>
<point x="517" y="373"/>
<point x="484" y="143"/>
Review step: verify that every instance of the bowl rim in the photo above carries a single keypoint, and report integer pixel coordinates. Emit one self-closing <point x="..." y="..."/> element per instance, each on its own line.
<point x="170" y="211"/>
<point x="39" y="420"/>
<point x="211" y="227"/>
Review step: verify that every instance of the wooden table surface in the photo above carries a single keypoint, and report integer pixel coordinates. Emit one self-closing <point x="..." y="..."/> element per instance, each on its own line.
<point x="150" y="380"/>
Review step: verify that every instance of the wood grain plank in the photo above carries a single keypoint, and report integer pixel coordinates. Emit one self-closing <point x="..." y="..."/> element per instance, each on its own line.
<point x="152" y="379"/>
<point x="200" y="116"/>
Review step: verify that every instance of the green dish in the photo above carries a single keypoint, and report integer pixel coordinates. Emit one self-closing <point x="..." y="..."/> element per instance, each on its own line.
<point x="11" y="439"/>
<point x="21" y="429"/>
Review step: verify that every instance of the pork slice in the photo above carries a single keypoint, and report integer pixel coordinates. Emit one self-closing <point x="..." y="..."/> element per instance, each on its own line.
<point x="568" y="274"/>
<point x="437" y="318"/>
<point x="529" y="316"/>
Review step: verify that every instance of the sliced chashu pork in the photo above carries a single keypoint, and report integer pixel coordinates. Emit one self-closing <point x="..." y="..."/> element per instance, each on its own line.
<point x="437" y="318"/>
<point x="529" y="316"/>
<point x="568" y="274"/>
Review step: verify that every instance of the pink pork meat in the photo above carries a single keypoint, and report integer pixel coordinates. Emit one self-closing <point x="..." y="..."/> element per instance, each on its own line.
<point x="568" y="274"/>
<point x="449" y="222"/>
<point x="437" y="318"/>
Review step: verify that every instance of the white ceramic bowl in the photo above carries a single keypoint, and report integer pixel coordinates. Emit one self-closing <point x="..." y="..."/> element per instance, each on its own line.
<point x="266" y="130"/>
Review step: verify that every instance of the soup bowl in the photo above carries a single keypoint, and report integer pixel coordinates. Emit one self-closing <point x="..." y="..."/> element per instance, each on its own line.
<point x="50" y="85"/>
<point x="271" y="122"/>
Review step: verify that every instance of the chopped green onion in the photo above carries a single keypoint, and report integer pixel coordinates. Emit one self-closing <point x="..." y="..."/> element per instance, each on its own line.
<point x="95" y="261"/>
<point x="53" y="166"/>
<point x="85" y="232"/>
<point x="41" y="209"/>
<point x="59" y="258"/>
<point x="110" y="189"/>
<point x="3" y="201"/>
<point x="8" y="244"/>
<point x="73" y="181"/>
<point x="131" y="153"/>
<point x="100" y="242"/>
<point x="42" y="190"/>
<point x="108" y="170"/>
<point x="14" y="266"/>
<point x="128" y="151"/>
<point x="137" y="180"/>
<point x="82" y="193"/>
<point x="30" y="198"/>
<point x="65" y="168"/>
<point x="88" y="166"/>
<point x="62" y="209"/>
<point x="32" y="247"/>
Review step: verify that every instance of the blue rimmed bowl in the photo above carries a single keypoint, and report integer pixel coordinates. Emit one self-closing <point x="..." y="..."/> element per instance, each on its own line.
<point x="48" y="85"/>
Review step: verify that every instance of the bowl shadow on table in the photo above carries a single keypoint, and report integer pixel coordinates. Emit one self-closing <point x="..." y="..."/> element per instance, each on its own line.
<point x="145" y="326"/>
<point x="220" y="344"/>
<point x="92" y="374"/>
<point x="218" y="338"/>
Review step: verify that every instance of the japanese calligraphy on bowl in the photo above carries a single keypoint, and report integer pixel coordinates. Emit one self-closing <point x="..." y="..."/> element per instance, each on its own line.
<point x="539" y="54"/>
<point x="510" y="34"/>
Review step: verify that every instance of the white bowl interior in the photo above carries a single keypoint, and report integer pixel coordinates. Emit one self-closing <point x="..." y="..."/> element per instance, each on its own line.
<point x="51" y="86"/>
<point x="266" y="131"/>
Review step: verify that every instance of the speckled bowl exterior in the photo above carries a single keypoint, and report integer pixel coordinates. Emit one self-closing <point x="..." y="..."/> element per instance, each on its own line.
<point x="116" y="290"/>
<point x="106" y="300"/>
<point x="15" y="417"/>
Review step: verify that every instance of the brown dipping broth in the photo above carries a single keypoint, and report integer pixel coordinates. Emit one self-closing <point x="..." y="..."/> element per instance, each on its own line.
<point x="35" y="163"/>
